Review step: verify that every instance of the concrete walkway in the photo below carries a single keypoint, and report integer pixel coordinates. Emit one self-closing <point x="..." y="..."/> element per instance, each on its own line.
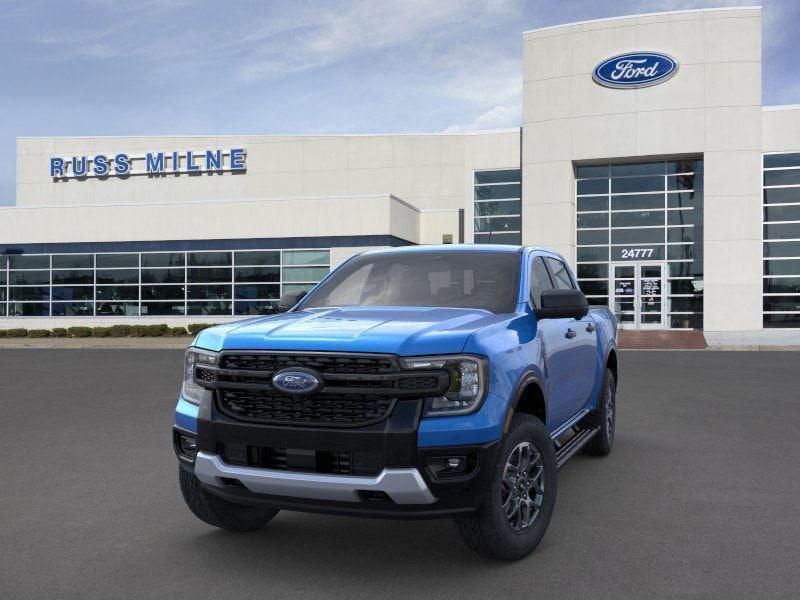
<point x="99" y="343"/>
<point x="766" y="339"/>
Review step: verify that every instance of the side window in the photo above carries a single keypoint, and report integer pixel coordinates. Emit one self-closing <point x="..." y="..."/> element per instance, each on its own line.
<point x="540" y="281"/>
<point x="560" y="273"/>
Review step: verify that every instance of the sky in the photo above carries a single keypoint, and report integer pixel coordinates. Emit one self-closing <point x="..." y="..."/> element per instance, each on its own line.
<point x="172" y="67"/>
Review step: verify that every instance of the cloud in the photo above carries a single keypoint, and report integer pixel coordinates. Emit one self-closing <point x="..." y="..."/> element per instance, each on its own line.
<point x="497" y="117"/>
<point x="335" y="34"/>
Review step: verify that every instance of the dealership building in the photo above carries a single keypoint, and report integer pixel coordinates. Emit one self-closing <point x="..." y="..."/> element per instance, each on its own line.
<point x="644" y="156"/>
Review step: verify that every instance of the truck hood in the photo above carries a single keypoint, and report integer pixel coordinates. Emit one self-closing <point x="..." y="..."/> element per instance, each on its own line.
<point x="404" y="330"/>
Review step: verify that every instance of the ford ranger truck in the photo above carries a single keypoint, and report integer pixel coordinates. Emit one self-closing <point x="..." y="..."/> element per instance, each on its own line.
<point x="419" y="382"/>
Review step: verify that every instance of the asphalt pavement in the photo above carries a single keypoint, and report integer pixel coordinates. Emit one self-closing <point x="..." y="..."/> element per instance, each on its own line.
<point x="700" y="497"/>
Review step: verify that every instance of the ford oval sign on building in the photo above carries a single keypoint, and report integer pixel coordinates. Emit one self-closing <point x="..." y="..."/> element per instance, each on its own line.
<point x="635" y="70"/>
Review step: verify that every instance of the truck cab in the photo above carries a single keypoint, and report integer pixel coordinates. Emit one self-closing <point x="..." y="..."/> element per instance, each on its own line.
<point x="416" y="382"/>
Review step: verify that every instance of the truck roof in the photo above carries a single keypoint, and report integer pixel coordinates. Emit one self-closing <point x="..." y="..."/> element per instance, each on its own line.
<point x="459" y="248"/>
<point x="449" y="248"/>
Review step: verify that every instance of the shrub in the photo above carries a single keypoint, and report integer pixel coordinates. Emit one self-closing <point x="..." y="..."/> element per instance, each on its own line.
<point x="2" y="333"/>
<point x="138" y="330"/>
<point x="80" y="332"/>
<point x="38" y="333"/>
<point x="120" y="330"/>
<point x="157" y="330"/>
<point x="195" y="328"/>
<point x="101" y="332"/>
<point x="16" y="332"/>
<point x="59" y="332"/>
<point x="177" y="331"/>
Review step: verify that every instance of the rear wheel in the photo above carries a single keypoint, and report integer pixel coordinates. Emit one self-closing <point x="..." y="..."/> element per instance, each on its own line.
<point x="218" y="512"/>
<point x="516" y="510"/>
<point x="605" y="416"/>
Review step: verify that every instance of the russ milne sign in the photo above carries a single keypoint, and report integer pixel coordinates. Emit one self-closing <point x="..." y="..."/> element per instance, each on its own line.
<point x="635" y="70"/>
<point x="152" y="163"/>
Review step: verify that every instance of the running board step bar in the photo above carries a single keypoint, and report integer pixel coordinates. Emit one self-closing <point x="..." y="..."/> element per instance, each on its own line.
<point x="578" y="441"/>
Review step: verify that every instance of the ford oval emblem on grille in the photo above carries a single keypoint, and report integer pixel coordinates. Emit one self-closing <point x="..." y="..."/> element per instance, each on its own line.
<point x="296" y="381"/>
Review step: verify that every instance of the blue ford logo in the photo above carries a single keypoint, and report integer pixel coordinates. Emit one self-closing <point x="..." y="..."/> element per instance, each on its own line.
<point x="635" y="70"/>
<point x="293" y="381"/>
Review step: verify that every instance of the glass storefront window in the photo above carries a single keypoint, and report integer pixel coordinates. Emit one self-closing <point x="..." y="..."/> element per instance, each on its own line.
<point x="639" y="213"/>
<point x="73" y="261"/>
<point x="70" y="292"/>
<point x="208" y="308"/>
<point x="258" y="258"/>
<point x="163" y="259"/>
<point x="305" y="257"/>
<point x="255" y="308"/>
<point x="781" y="249"/>
<point x="73" y="277"/>
<point x="304" y="274"/>
<point x="497" y="207"/>
<point x="252" y="292"/>
<point x="117" y="276"/>
<point x="28" y="309"/>
<point x="155" y="283"/>
<point x="116" y="261"/>
<point x="29" y="293"/>
<point x="29" y="261"/>
<point x="29" y="277"/>
<point x="73" y="309"/>
<point x="209" y="259"/>
<point x="208" y="292"/>
<point x="163" y="275"/>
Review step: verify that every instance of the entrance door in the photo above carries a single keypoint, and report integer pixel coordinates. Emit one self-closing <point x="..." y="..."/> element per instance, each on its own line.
<point x="637" y="294"/>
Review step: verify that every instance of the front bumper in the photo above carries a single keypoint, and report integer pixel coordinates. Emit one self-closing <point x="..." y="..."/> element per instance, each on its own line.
<point x="404" y="485"/>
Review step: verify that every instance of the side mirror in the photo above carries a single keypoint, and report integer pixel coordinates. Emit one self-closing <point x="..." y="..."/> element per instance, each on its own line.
<point x="289" y="299"/>
<point x="562" y="304"/>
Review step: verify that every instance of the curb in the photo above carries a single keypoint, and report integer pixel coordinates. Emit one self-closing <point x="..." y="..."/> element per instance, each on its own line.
<point x="97" y="343"/>
<point x="755" y="347"/>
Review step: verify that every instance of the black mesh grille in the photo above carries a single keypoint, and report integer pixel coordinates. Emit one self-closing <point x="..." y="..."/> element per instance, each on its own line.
<point x="330" y="409"/>
<point x="204" y="375"/>
<point x="323" y="363"/>
<point x="418" y="383"/>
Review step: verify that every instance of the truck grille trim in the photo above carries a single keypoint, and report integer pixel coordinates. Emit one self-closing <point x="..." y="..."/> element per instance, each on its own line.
<point x="332" y="410"/>
<point x="324" y="363"/>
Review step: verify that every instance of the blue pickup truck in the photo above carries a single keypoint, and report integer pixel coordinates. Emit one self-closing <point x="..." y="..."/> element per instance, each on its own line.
<point x="425" y="381"/>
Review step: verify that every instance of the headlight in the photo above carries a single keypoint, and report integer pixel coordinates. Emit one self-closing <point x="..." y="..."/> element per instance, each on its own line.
<point x="468" y="377"/>
<point x="191" y="391"/>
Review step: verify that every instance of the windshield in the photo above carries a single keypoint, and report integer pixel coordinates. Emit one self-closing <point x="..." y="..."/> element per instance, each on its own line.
<point x="486" y="280"/>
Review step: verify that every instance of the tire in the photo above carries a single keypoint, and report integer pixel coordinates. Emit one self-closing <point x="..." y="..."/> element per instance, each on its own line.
<point x="489" y="531"/>
<point x="218" y="512"/>
<point x="605" y="416"/>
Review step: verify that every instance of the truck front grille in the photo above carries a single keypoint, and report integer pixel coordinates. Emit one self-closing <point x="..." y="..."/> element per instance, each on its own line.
<point x="324" y="409"/>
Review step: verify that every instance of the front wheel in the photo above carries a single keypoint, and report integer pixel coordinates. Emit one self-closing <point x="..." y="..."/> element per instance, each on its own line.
<point x="218" y="512"/>
<point x="515" y="513"/>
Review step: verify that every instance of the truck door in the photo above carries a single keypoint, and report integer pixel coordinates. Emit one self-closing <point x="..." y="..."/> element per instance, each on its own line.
<point x="576" y="343"/>
<point x="558" y="356"/>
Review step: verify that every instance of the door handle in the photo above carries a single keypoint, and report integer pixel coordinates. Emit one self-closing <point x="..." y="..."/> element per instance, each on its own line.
<point x="590" y="327"/>
<point x="570" y="334"/>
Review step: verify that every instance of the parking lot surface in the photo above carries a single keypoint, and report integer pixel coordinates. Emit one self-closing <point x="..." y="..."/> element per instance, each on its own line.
<point x="700" y="497"/>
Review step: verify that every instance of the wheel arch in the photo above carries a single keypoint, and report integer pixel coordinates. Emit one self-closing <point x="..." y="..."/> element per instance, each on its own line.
<point x="612" y="364"/>
<point x="529" y="398"/>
